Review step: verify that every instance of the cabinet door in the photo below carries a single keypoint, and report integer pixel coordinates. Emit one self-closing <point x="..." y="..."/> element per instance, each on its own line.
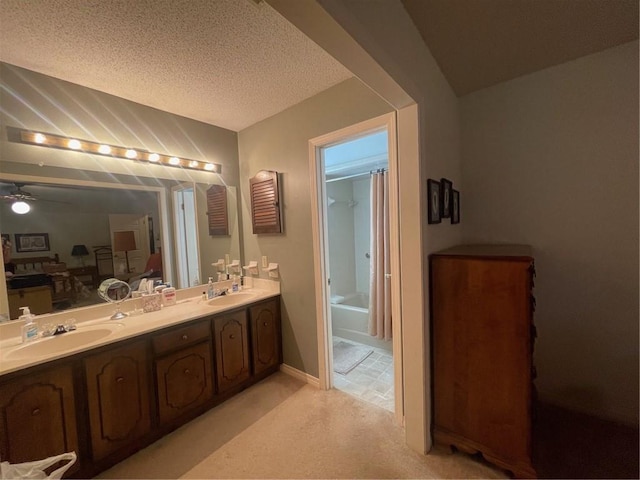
<point x="37" y="417"/>
<point x="265" y="335"/>
<point x="232" y="352"/>
<point x="184" y="381"/>
<point x="118" y="397"/>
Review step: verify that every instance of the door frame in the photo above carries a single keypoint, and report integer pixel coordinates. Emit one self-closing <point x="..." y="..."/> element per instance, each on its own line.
<point x="320" y="242"/>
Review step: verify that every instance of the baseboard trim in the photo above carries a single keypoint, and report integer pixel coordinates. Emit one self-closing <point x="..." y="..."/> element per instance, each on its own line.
<point x="300" y="375"/>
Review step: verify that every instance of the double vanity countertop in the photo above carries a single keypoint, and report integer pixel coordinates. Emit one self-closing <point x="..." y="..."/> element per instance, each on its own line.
<point x="95" y="327"/>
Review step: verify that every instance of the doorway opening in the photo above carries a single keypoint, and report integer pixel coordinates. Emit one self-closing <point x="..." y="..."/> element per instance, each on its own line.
<point x="357" y="253"/>
<point x="362" y="362"/>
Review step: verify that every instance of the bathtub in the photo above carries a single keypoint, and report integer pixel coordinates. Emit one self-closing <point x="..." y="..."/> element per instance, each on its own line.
<point x="350" y="319"/>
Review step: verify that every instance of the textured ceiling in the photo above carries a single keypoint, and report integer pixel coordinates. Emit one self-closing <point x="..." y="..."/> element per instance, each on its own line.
<point x="479" y="43"/>
<point x="229" y="63"/>
<point x="233" y="63"/>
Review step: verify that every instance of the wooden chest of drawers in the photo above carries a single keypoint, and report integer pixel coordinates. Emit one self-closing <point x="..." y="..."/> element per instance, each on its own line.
<point x="482" y="334"/>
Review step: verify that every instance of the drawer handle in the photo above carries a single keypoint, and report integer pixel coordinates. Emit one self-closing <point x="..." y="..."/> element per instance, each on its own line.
<point x="185" y="337"/>
<point x="119" y="379"/>
<point x="266" y="324"/>
<point x="232" y="336"/>
<point x="35" y="411"/>
<point x="186" y="371"/>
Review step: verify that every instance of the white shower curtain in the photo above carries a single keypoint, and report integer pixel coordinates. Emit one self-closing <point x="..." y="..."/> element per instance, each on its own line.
<point x="380" y="288"/>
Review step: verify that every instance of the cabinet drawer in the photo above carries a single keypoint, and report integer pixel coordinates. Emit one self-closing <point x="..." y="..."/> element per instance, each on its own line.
<point x="187" y="335"/>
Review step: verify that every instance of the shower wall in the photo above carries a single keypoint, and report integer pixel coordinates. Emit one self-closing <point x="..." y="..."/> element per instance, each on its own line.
<point x="341" y="238"/>
<point x="362" y="232"/>
<point x="349" y="235"/>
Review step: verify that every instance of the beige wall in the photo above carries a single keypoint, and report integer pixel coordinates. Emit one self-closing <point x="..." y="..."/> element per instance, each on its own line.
<point x="281" y="143"/>
<point x="551" y="160"/>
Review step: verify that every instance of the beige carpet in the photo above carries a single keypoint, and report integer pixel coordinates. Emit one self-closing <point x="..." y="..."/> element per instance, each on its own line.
<point x="282" y="428"/>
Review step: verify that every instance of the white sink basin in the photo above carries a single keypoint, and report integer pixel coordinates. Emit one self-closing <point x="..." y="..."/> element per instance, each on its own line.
<point x="231" y="299"/>
<point x="59" y="343"/>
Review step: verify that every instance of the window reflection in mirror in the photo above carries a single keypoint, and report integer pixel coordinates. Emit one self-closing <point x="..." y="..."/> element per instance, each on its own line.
<point x="186" y="232"/>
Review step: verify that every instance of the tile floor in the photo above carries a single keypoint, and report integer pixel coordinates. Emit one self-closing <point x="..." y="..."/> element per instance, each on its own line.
<point x="371" y="380"/>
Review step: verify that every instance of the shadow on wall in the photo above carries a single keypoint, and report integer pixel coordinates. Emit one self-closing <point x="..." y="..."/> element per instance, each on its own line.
<point x="291" y="356"/>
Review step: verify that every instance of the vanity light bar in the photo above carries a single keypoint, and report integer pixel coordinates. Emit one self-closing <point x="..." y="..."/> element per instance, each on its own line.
<point x="75" y="144"/>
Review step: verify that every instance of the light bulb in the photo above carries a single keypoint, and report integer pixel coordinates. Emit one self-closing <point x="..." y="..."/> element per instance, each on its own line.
<point x="193" y="163"/>
<point x="174" y="161"/>
<point x="210" y="167"/>
<point x="40" y="138"/>
<point x="131" y="153"/>
<point x="104" y="149"/>
<point x="20" y="207"/>
<point x="154" y="157"/>
<point x="74" y="144"/>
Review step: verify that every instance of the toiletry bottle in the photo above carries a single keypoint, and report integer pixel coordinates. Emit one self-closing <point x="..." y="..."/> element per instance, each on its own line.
<point x="30" y="328"/>
<point x="235" y="284"/>
<point x="168" y="295"/>
<point x="210" y="288"/>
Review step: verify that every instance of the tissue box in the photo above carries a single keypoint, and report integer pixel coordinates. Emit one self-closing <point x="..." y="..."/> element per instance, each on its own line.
<point x="151" y="302"/>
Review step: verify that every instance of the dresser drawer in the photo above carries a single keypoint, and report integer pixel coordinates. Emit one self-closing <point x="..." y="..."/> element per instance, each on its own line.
<point x="179" y="337"/>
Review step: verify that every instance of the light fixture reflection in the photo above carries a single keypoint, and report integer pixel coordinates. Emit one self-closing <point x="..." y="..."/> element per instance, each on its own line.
<point x="20" y="207"/>
<point x="44" y="139"/>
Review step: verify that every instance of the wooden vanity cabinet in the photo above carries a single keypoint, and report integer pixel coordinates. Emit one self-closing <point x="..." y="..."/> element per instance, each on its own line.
<point x="118" y="390"/>
<point x="232" y="349"/>
<point x="183" y="370"/>
<point x="38" y="416"/>
<point x="265" y="335"/>
<point x="107" y="403"/>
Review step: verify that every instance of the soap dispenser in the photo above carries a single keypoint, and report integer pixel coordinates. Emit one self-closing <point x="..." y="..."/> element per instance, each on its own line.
<point x="30" y="328"/>
<point x="210" y="289"/>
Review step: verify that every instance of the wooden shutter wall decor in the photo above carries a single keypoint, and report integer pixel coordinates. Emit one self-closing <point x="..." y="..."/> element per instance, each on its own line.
<point x="217" y="210"/>
<point x="265" y="202"/>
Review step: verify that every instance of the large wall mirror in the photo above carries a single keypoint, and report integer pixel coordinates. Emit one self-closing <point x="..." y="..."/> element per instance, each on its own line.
<point x="82" y="222"/>
<point x="84" y="199"/>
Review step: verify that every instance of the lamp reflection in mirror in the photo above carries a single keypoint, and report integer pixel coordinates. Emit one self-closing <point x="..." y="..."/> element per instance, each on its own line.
<point x="79" y="251"/>
<point x="124" y="242"/>
<point x="20" y="207"/>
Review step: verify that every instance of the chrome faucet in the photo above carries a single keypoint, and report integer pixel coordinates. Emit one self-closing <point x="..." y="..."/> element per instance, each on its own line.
<point x="219" y="292"/>
<point x="49" y="330"/>
<point x="60" y="329"/>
